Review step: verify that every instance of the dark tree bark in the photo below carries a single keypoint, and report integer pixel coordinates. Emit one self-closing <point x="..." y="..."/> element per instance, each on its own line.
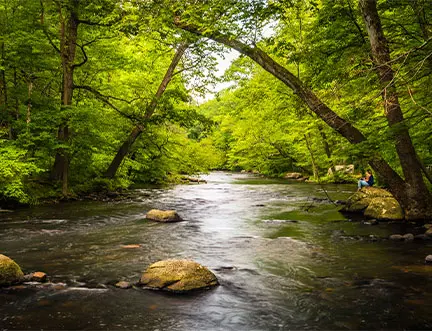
<point x="138" y="129"/>
<point x="3" y="89"/>
<point x="68" y="38"/>
<point x="395" y="183"/>
<point x="414" y="196"/>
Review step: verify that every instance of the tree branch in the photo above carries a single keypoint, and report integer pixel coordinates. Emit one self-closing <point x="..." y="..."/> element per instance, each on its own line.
<point x="85" y="57"/>
<point x="106" y="99"/>
<point x="46" y="32"/>
<point x="87" y="22"/>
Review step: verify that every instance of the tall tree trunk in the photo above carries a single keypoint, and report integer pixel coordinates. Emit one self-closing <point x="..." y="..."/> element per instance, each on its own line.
<point x="3" y="88"/>
<point x="326" y="147"/>
<point x="29" y="104"/>
<point x="395" y="183"/>
<point x="68" y="38"/>
<point x="314" y="165"/>
<point x="414" y="196"/>
<point x="138" y="129"/>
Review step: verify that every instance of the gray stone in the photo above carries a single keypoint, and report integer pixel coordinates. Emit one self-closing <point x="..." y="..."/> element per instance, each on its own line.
<point x="428" y="259"/>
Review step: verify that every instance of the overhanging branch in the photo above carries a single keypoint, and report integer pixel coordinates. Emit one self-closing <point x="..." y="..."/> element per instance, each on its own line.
<point x="106" y="99"/>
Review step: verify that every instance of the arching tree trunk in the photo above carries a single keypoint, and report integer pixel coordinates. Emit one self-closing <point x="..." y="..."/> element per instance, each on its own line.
<point x="138" y="129"/>
<point x="414" y="196"/>
<point x="414" y="209"/>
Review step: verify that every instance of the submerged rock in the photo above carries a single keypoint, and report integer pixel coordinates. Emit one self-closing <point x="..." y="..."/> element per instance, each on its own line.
<point x="399" y="237"/>
<point x="10" y="272"/>
<point x="178" y="276"/>
<point x="163" y="216"/>
<point x="375" y="203"/>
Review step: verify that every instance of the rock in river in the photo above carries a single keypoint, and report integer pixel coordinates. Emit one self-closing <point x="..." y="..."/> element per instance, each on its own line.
<point x="178" y="276"/>
<point x="39" y="276"/>
<point x="375" y="203"/>
<point x="123" y="285"/>
<point x="293" y="175"/>
<point x="10" y="272"/>
<point x="163" y="216"/>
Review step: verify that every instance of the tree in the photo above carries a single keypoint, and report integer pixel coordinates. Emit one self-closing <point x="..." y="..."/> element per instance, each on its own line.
<point x="414" y="209"/>
<point x="413" y="194"/>
<point x="150" y="109"/>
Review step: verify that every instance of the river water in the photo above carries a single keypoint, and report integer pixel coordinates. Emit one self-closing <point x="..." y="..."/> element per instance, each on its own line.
<point x="285" y="257"/>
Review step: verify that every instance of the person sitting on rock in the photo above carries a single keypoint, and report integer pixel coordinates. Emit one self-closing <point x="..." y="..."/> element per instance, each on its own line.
<point x="368" y="180"/>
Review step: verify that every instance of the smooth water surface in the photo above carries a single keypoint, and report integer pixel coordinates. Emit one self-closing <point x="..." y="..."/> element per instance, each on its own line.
<point x="285" y="257"/>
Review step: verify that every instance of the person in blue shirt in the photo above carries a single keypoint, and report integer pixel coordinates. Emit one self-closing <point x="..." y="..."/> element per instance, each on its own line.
<point x="368" y="180"/>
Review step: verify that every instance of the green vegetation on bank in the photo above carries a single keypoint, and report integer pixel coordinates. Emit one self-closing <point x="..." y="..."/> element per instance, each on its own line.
<point x="99" y="95"/>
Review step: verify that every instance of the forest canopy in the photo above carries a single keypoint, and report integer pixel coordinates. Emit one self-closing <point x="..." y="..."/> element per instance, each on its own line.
<point x="101" y="95"/>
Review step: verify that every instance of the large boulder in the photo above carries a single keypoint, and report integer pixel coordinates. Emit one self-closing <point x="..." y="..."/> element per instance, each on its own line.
<point x="178" y="276"/>
<point x="385" y="209"/>
<point x="163" y="216"/>
<point x="375" y="203"/>
<point x="10" y="272"/>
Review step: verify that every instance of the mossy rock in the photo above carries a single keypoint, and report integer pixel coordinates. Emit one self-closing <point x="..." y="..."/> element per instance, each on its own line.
<point x="375" y="192"/>
<point x="356" y="204"/>
<point x="163" y="216"/>
<point x="384" y="209"/>
<point x="10" y="272"/>
<point x="376" y="203"/>
<point x="178" y="276"/>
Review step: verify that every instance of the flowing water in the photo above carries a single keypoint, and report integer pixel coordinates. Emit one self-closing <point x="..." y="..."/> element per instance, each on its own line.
<point x="285" y="257"/>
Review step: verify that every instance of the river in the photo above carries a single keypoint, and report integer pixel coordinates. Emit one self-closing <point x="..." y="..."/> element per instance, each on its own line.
<point x="285" y="257"/>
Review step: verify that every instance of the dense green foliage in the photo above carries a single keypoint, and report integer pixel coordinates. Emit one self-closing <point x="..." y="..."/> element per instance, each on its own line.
<point x="266" y="128"/>
<point x="120" y="56"/>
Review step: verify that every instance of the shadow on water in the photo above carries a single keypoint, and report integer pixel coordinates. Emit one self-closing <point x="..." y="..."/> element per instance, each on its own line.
<point x="285" y="257"/>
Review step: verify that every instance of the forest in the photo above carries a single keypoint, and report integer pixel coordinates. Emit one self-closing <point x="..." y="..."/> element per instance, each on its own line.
<point x="102" y="95"/>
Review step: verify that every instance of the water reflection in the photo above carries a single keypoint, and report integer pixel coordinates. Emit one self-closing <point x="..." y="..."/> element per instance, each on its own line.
<point x="285" y="257"/>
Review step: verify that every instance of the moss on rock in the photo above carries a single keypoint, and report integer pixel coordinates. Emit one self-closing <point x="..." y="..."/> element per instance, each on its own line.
<point x="384" y="208"/>
<point x="163" y="216"/>
<point x="178" y="276"/>
<point x="376" y="203"/>
<point x="10" y="272"/>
